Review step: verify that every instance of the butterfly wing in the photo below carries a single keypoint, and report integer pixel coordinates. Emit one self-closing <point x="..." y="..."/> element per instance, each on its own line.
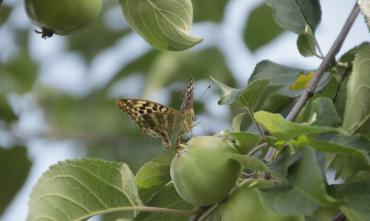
<point x="157" y="120"/>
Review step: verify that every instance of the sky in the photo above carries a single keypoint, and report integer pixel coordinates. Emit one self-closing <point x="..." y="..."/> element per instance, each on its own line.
<point x="228" y="39"/>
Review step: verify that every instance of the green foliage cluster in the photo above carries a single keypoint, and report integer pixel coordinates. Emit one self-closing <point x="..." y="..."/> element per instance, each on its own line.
<point x="329" y="136"/>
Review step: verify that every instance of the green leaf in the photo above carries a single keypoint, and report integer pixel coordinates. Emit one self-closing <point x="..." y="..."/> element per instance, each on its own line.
<point x="237" y="122"/>
<point x="154" y="174"/>
<point x="306" y="45"/>
<point x="4" y="13"/>
<point x="80" y="189"/>
<point x="276" y="125"/>
<point x="209" y="10"/>
<point x="307" y="192"/>
<point x="14" y="169"/>
<point x="296" y="15"/>
<point x="163" y="24"/>
<point x="344" y="145"/>
<point x="6" y="112"/>
<point x="244" y="204"/>
<point x="356" y="197"/>
<point x="365" y="9"/>
<point x="249" y="162"/>
<point x="248" y="97"/>
<point x="166" y="197"/>
<point x="245" y="141"/>
<point x="256" y="33"/>
<point x="320" y="112"/>
<point x="357" y="110"/>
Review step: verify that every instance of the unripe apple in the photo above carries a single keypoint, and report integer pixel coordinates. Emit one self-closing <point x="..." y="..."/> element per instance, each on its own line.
<point x="203" y="172"/>
<point x="62" y="16"/>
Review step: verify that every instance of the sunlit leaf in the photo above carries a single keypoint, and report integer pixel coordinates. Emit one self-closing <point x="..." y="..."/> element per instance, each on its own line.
<point x="283" y="129"/>
<point x="237" y="121"/>
<point x="166" y="197"/>
<point x="365" y="9"/>
<point x="79" y="189"/>
<point x="302" y="81"/>
<point x="249" y="162"/>
<point x="14" y="169"/>
<point x="154" y="174"/>
<point x="163" y="24"/>
<point x="357" y="110"/>
<point x="260" y="28"/>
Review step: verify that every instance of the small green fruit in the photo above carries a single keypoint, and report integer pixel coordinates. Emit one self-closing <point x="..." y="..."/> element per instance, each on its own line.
<point x="203" y="172"/>
<point x="62" y="16"/>
<point x="245" y="204"/>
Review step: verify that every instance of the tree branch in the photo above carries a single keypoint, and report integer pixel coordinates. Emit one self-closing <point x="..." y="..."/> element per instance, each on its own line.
<point x="325" y="64"/>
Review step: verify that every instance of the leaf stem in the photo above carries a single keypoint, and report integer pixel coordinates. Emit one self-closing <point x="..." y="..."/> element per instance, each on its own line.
<point x="325" y="64"/>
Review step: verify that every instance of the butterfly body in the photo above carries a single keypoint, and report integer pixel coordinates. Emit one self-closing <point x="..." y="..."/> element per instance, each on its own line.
<point x="160" y="121"/>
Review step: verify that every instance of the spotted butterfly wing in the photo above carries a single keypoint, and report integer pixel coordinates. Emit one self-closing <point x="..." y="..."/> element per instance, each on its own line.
<point x="160" y="121"/>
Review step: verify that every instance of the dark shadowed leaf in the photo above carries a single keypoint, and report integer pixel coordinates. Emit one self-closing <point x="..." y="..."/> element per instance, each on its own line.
<point x="79" y="189"/>
<point x="306" y="45"/>
<point x="307" y="192"/>
<point x="260" y="28"/>
<point x="245" y="141"/>
<point x="295" y="15"/>
<point x="166" y="197"/>
<point x="320" y="112"/>
<point x="6" y="112"/>
<point x="357" y="199"/>
<point x="14" y="169"/>
<point x="4" y="13"/>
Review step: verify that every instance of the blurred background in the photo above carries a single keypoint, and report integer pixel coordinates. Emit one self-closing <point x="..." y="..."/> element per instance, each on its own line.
<point x="57" y="96"/>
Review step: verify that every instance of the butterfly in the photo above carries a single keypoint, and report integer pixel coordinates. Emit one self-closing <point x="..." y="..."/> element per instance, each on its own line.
<point x="160" y="121"/>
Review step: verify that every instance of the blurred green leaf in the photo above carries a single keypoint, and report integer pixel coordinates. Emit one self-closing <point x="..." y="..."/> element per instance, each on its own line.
<point x="260" y="28"/>
<point x="286" y="130"/>
<point x="357" y="111"/>
<point x="209" y="10"/>
<point x="82" y="189"/>
<point x="18" y="74"/>
<point x="6" y="112"/>
<point x="154" y="174"/>
<point x="357" y="199"/>
<point x="306" y="45"/>
<point x="237" y="122"/>
<point x="166" y="197"/>
<point x="320" y="112"/>
<point x="98" y="43"/>
<point x="307" y="192"/>
<point x="168" y="67"/>
<point x="165" y="25"/>
<point x="4" y="13"/>
<point x="245" y="141"/>
<point x="296" y="15"/>
<point x="14" y="169"/>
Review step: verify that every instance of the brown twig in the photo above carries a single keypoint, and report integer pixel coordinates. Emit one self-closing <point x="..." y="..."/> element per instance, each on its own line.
<point x="325" y="64"/>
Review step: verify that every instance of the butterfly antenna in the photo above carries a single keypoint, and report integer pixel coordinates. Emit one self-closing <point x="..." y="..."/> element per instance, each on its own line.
<point x="204" y="92"/>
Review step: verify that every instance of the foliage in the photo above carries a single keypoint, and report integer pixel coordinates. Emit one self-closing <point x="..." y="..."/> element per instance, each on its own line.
<point x="132" y="181"/>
